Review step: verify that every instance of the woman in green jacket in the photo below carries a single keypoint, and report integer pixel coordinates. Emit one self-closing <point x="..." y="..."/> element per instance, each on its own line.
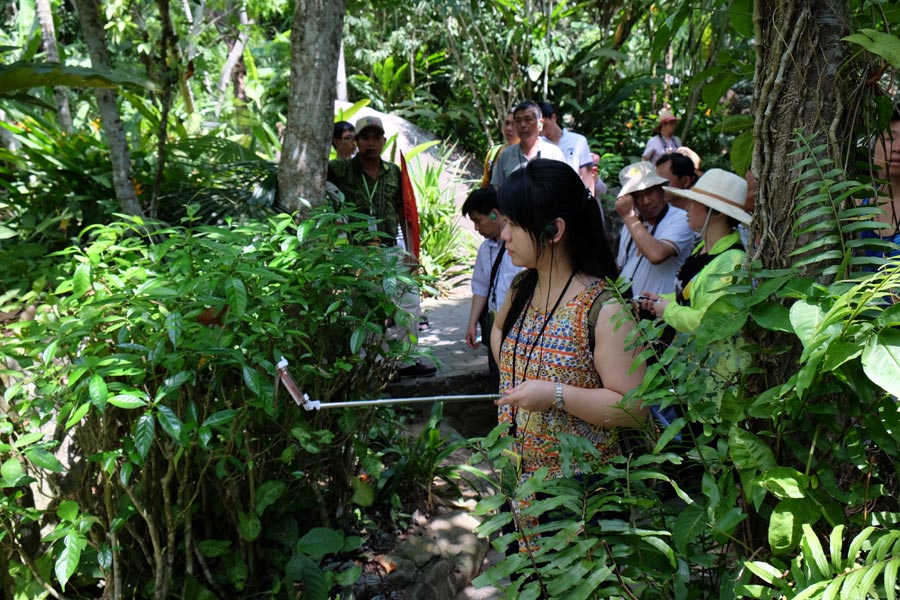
<point x="717" y="206"/>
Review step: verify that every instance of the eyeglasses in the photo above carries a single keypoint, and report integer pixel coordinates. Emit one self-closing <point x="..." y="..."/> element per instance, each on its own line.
<point x="348" y="138"/>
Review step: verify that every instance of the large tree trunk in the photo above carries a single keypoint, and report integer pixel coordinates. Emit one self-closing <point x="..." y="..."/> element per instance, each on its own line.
<point x="120" y="156"/>
<point x="48" y="38"/>
<point x="315" y="42"/>
<point x="798" y="88"/>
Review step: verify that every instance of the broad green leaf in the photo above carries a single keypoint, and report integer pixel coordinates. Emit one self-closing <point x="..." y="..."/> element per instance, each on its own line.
<point x="174" y="327"/>
<point x="12" y="470"/>
<point x="170" y="384"/>
<point x="128" y="401"/>
<point x="81" y="280"/>
<point x="236" y="294"/>
<point x="22" y="75"/>
<point x="881" y="360"/>
<point x="49" y="352"/>
<point x="220" y="418"/>
<point x="714" y="90"/>
<point x="836" y="543"/>
<point x="267" y="494"/>
<point x="772" y="316"/>
<point x="68" y="559"/>
<point x="44" y="459"/>
<point x="812" y="549"/>
<point x="356" y="340"/>
<point x="98" y="392"/>
<point x="301" y="568"/>
<point x="784" y="482"/>
<point x="250" y="378"/>
<point x="78" y="414"/>
<point x="749" y="452"/>
<point x="805" y="319"/>
<point x="690" y="523"/>
<point x="363" y="493"/>
<point x="764" y="571"/>
<point x="144" y="433"/>
<point x="348" y="577"/>
<point x="320" y="541"/>
<point x="742" y="152"/>
<point x="784" y="525"/>
<point x="890" y="578"/>
<point x="125" y="472"/>
<point x="28" y="439"/>
<point x="214" y="548"/>
<point x="170" y="422"/>
<point x="249" y="526"/>
<point x="67" y="510"/>
<point x="884" y="45"/>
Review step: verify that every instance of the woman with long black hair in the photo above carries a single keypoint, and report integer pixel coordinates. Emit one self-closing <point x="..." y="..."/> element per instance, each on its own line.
<point x="553" y="378"/>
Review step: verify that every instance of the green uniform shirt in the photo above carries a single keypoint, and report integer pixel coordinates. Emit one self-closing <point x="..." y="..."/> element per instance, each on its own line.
<point x="379" y="198"/>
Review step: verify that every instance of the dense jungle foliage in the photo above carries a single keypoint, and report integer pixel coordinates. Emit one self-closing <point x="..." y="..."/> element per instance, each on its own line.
<point x="145" y="448"/>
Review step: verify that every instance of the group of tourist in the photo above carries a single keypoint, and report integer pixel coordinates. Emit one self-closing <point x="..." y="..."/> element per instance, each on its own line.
<point x="555" y="335"/>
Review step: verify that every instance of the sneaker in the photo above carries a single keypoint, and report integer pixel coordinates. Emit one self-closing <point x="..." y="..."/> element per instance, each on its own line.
<point x="417" y="369"/>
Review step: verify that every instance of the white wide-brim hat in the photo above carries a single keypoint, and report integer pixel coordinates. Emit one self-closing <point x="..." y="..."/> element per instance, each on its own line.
<point x="721" y="191"/>
<point x="638" y="177"/>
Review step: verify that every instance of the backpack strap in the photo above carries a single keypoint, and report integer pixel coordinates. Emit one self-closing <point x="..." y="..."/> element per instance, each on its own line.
<point x="593" y="314"/>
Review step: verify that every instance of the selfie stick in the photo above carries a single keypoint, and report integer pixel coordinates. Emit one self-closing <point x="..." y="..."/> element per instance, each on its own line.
<point x="303" y="399"/>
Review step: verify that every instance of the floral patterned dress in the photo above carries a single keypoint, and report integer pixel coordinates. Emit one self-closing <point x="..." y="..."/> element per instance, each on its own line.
<point x="559" y="353"/>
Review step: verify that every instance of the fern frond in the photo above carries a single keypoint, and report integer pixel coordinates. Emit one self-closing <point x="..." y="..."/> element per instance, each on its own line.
<point x="867" y="570"/>
<point x="838" y="236"/>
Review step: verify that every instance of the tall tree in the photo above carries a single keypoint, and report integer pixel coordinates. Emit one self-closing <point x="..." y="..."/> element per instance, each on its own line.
<point x="48" y="39"/>
<point x="315" y="44"/>
<point x="94" y="33"/>
<point x="799" y="88"/>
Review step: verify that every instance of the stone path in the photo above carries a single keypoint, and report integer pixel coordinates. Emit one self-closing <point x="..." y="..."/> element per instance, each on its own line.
<point x="461" y="370"/>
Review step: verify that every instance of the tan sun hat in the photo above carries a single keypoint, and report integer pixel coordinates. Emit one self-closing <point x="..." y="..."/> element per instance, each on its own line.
<point x="665" y="115"/>
<point x="721" y="191"/>
<point x="638" y="177"/>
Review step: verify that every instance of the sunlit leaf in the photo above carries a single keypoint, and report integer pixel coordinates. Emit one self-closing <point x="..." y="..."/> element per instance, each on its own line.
<point x="68" y="559"/>
<point x="881" y="360"/>
<point x="44" y="459"/>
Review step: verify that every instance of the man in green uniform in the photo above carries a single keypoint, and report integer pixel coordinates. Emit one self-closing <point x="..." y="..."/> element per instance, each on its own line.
<point x="372" y="187"/>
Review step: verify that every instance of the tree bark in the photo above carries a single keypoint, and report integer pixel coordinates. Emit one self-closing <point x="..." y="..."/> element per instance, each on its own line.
<point x="169" y="80"/>
<point x="341" y="76"/>
<point x="234" y="56"/>
<point x="48" y="39"/>
<point x="799" y="88"/>
<point x="315" y="43"/>
<point x="92" y="29"/>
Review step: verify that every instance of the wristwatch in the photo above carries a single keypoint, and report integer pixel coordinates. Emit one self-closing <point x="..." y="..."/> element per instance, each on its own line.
<point x="559" y="402"/>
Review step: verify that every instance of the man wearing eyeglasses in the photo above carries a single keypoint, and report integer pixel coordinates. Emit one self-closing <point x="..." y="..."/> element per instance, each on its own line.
<point x="344" y="139"/>
<point x="527" y="116"/>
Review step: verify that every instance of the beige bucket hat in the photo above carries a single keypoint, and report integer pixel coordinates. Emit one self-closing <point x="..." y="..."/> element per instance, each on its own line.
<point x="721" y="191"/>
<point x="639" y="176"/>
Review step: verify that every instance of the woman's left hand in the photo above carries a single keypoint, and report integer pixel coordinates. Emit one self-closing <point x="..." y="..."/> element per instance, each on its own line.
<point x="653" y="303"/>
<point x="533" y="396"/>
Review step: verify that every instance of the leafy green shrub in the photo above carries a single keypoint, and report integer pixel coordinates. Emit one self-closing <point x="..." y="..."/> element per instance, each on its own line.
<point x="141" y="398"/>
<point x="444" y="243"/>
